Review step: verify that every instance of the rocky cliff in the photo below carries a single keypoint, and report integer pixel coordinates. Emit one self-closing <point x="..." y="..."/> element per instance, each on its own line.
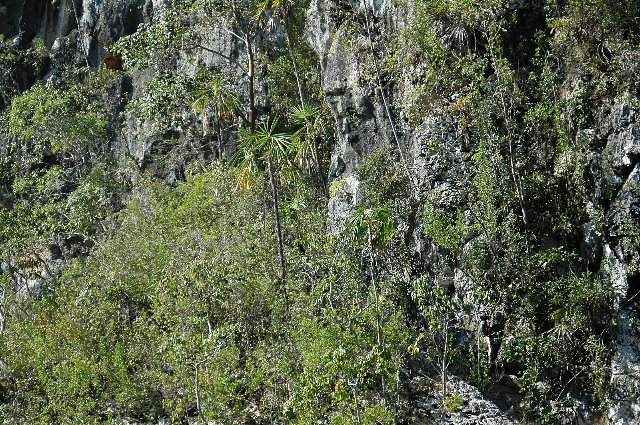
<point x="369" y="115"/>
<point x="431" y="119"/>
<point x="90" y="26"/>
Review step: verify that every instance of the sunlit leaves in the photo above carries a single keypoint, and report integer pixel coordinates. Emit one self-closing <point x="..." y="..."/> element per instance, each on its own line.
<point x="258" y="147"/>
<point x="308" y="140"/>
<point x="217" y="96"/>
<point x="164" y="100"/>
<point x="154" y="43"/>
<point x="371" y="226"/>
<point x="60" y="119"/>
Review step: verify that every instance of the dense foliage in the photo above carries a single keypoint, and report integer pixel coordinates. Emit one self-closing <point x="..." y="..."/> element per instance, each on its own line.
<point x="224" y="297"/>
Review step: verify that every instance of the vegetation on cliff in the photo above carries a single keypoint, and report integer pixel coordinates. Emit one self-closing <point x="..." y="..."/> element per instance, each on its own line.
<point x="222" y="296"/>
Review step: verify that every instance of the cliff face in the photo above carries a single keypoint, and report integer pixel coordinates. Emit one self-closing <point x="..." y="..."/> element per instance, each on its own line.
<point x="82" y="34"/>
<point x="78" y="34"/>
<point x="353" y="41"/>
<point x="438" y="156"/>
<point x="346" y="56"/>
<point x="92" y="26"/>
<point x="620" y="130"/>
<point x="363" y="122"/>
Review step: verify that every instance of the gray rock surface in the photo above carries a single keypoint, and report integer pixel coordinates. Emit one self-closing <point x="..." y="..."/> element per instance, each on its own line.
<point x="625" y="370"/>
<point x="438" y="158"/>
<point x="464" y="406"/>
<point x="625" y="363"/>
<point x="347" y="39"/>
<point x="434" y="155"/>
<point x="91" y="24"/>
<point x="621" y="130"/>
<point x="349" y="77"/>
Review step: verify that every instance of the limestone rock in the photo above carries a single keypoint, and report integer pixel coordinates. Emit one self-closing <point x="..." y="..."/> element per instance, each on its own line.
<point x="465" y="405"/>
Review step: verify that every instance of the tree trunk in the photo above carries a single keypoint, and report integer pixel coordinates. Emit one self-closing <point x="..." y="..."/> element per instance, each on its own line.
<point x="276" y="212"/>
<point x="251" y="75"/>
<point x="445" y="353"/>
<point x="375" y="290"/>
<point x="357" y="403"/>
<point x="198" y="404"/>
<point x="3" y="320"/>
<point x="219" y="136"/>
<point x="293" y="61"/>
<point x="377" y="303"/>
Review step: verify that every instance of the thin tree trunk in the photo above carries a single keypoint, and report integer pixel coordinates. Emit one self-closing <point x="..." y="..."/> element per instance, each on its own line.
<point x="375" y="291"/>
<point x="445" y="352"/>
<point x="293" y="61"/>
<point x="198" y="404"/>
<point x="377" y="304"/>
<point x="355" y="400"/>
<point x="517" y="181"/>
<point x="276" y="212"/>
<point x="251" y="75"/>
<point x="219" y="136"/>
<point x="296" y="72"/>
<point x="3" y="320"/>
<point x="478" y="329"/>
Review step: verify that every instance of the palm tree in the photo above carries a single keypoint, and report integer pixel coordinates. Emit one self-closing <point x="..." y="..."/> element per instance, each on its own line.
<point x="216" y="97"/>
<point x="312" y="128"/>
<point x="259" y="149"/>
<point x="311" y="120"/>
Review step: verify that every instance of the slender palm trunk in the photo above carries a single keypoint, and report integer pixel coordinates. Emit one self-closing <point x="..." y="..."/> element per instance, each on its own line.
<point x="375" y="291"/>
<point x="251" y="66"/>
<point x="219" y="136"/>
<point x="296" y="73"/>
<point x="293" y="61"/>
<point x="376" y="297"/>
<point x="276" y="212"/>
